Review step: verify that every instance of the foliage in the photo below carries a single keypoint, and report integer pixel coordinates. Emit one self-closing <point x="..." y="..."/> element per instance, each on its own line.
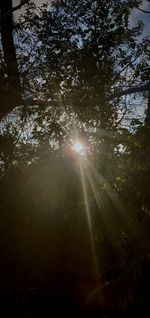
<point x="72" y="58"/>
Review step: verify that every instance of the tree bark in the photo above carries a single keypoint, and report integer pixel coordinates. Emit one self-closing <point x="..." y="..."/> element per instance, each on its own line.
<point x="128" y="91"/>
<point x="147" y="119"/>
<point x="13" y="95"/>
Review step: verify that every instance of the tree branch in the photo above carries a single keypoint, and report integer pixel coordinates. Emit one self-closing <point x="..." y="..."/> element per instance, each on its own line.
<point x="123" y="115"/>
<point x="18" y="7"/>
<point x="145" y="11"/>
<point x="132" y="90"/>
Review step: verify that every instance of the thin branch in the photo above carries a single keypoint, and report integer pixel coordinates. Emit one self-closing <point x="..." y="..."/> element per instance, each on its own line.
<point x="126" y="66"/>
<point x="123" y="114"/>
<point x="145" y="11"/>
<point x="132" y="90"/>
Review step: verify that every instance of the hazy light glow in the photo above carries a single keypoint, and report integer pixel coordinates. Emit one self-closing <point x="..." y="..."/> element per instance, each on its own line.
<point x="79" y="148"/>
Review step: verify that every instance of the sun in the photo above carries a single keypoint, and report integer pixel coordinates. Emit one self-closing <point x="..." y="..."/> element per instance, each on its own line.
<point x="79" y="148"/>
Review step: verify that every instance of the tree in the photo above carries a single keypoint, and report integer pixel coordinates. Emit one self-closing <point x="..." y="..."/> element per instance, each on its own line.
<point x="13" y="94"/>
<point x="86" y="33"/>
<point x="78" y="63"/>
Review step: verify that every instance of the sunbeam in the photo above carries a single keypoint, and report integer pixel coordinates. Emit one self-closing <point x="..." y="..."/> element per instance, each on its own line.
<point x="111" y="227"/>
<point x="89" y="221"/>
<point x="125" y="220"/>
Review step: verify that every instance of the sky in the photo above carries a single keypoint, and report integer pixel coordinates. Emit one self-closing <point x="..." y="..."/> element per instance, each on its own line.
<point x="134" y="17"/>
<point x="145" y="17"/>
<point x="135" y="14"/>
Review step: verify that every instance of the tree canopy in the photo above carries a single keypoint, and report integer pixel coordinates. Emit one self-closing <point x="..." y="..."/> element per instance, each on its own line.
<point x="74" y="224"/>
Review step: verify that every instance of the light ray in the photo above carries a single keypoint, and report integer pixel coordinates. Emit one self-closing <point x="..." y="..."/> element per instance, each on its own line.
<point x="110" y="227"/>
<point x="89" y="221"/>
<point x="130" y="223"/>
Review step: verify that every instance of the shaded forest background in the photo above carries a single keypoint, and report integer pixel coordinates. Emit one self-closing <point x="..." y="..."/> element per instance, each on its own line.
<point x="74" y="71"/>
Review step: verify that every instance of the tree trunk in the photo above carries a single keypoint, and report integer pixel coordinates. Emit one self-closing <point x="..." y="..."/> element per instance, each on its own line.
<point x="13" y="95"/>
<point x="147" y="119"/>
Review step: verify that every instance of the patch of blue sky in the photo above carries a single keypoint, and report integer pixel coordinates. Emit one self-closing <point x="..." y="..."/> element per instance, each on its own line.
<point x="137" y="15"/>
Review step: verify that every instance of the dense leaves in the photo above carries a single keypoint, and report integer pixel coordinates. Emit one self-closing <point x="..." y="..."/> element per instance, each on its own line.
<point x="75" y="229"/>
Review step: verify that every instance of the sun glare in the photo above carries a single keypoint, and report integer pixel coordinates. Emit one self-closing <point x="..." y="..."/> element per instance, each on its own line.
<point x="79" y="148"/>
